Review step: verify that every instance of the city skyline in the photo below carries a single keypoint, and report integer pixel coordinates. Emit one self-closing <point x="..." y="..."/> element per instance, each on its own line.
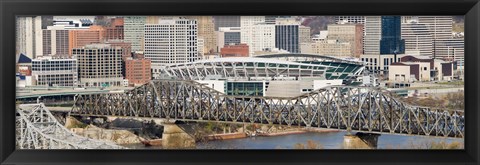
<point x="193" y="81"/>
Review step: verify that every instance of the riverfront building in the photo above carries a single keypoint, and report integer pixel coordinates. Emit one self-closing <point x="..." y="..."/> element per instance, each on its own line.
<point x="420" y="68"/>
<point x="137" y="71"/>
<point x="48" y="71"/>
<point x="380" y="63"/>
<point x="99" y="65"/>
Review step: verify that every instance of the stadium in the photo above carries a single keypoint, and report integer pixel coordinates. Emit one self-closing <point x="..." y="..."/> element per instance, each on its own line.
<point x="279" y="75"/>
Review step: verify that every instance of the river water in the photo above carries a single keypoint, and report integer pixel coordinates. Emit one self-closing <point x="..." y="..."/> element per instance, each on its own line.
<point x="331" y="140"/>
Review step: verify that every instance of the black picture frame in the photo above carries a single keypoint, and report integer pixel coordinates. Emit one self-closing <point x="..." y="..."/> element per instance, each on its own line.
<point x="11" y="8"/>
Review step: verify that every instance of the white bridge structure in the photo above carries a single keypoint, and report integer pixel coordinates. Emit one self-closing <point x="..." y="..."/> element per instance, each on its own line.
<point x="37" y="128"/>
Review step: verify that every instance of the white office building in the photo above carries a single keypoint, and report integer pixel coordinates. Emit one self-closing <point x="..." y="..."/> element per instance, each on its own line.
<point x="247" y="25"/>
<point x="418" y="39"/>
<point x="172" y="41"/>
<point x="450" y="49"/>
<point x="262" y="38"/>
<point x="440" y="26"/>
<point x="29" y="36"/>
<point x="48" y="71"/>
<point x="373" y="34"/>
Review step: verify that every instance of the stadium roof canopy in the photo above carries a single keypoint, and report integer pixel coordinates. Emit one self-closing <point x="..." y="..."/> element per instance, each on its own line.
<point x="245" y="68"/>
<point x="309" y="57"/>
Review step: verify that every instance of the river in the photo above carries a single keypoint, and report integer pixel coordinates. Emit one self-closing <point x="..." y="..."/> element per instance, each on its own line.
<point x="331" y="140"/>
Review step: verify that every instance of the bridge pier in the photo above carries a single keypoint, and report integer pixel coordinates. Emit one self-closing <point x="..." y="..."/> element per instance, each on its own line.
<point x="174" y="137"/>
<point x="360" y="141"/>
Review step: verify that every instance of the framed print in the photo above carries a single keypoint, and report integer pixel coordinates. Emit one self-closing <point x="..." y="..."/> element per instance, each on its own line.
<point x="218" y="82"/>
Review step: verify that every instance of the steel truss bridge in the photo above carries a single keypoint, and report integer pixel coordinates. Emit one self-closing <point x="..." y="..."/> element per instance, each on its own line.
<point x="37" y="128"/>
<point x="363" y="109"/>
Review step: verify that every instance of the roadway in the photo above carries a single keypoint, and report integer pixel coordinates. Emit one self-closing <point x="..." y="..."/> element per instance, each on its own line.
<point x="35" y="92"/>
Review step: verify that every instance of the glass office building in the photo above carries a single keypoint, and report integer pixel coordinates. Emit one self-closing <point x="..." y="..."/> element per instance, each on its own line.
<point x="287" y="38"/>
<point x="391" y="41"/>
<point x="245" y="88"/>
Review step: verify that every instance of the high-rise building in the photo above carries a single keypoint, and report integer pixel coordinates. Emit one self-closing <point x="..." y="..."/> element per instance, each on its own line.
<point x="200" y="47"/>
<point x="287" y="38"/>
<point x="418" y="39"/>
<point x="247" y="24"/>
<point x="304" y="34"/>
<point x="99" y="65"/>
<point x="29" y="36"/>
<point x="332" y="48"/>
<point x="126" y="47"/>
<point x="54" y="72"/>
<point x="350" y="19"/>
<point x="55" y="41"/>
<point x="137" y="71"/>
<point x="440" y="26"/>
<point x="133" y="31"/>
<point x="373" y="32"/>
<point x="391" y="41"/>
<point x="450" y="49"/>
<point x="172" y="41"/>
<point x="80" y="38"/>
<point x="115" y="30"/>
<point x="351" y="33"/>
<point x="262" y="38"/>
<point x="226" y="21"/>
<point x="228" y="36"/>
<point x="206" y="30"/>
<point x="290" y="34"/>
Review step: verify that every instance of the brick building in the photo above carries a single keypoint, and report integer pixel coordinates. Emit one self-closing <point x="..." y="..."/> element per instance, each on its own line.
<point x="126" y="47"/>
<point x="115" y="31"/>
<point x="137" y="71"/>
<point x="80" y="38"/>
<point x="240" y="50"/>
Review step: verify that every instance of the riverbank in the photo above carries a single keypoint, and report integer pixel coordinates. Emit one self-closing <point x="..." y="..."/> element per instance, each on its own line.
<point x="239" y="135"/>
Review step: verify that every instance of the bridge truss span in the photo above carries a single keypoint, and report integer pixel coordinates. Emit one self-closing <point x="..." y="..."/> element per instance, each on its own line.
<point x="363" y="109"/>
<point x="37" y="128"/>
